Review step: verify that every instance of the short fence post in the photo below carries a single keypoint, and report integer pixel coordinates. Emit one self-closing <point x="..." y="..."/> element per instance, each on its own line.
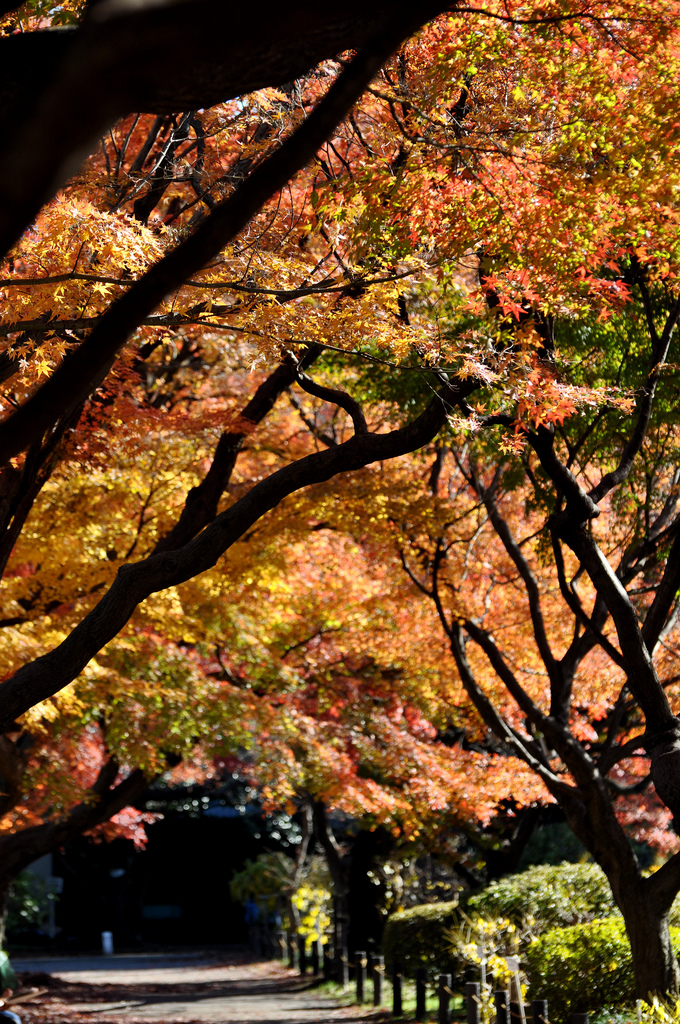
<point x="327" y="961"/>
<point x="502" y="1003"/>
<point x="396" y="989"/>
<point x="342" y="961"/>
<point x="421" y="992"/>
<point x="281" y="943"/>
<point x="315" y="957"/>
<point x="361" y="965"/>
<point x="302" y="954"/>
<point x="539" y="1011"/>
<point x="290" y="944"/>
<point x="378" y="972"/>
<point x="472" y="1002"/>
<point x="579" y="1018"/>
<point x="444" y="993"/>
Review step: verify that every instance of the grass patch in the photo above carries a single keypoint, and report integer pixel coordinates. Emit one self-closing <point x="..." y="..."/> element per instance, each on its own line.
<point x="346" y="996"/>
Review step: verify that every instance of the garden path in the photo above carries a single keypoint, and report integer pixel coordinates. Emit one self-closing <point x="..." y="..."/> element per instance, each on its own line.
<point x="211" y="987"/>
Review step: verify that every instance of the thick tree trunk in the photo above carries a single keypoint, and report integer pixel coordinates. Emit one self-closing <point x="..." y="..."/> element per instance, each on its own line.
<point x="357" y="896"/>
<point x="656" y="969"/>
<point x="642" y="902"/>
<point x="366" y="894"/>
<point x="300" y="860"/>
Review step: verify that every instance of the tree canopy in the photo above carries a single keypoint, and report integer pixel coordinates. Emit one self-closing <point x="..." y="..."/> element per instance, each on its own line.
<point x="450" y="256"/>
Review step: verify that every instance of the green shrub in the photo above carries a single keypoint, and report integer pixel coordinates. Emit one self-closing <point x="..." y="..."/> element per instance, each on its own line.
<point x="266" y="876"/>
<point x="554" y="895"/>
<point x="28" y="902"/>
<point x="417" y="938"/>
<point x="584" y="967"/>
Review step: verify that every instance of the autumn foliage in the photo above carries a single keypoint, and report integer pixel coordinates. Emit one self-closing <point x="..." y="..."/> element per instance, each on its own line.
<point x="378" y="482"/>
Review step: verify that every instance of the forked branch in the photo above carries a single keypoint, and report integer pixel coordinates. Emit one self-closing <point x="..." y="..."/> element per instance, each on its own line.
<point x="660" y="348"/>
<point x="335" y="397"/>
<point x="134" y="583"/>
<point x="84" y="369"/>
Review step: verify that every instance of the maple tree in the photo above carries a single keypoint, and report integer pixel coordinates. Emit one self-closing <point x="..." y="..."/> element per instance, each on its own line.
<point x="561" y="472"/>
<point x="351" y="703"/>
<point x="499" y="200"/>
<point x="374" y="724"/>
<point x="90" y="246"/>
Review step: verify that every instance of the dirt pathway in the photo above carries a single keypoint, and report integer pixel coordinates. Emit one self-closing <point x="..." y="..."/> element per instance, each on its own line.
<point x="208" y="988"/>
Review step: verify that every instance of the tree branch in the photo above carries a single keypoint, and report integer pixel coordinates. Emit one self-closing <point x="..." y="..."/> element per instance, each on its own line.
<point x="86" y="367"/>
<point x="642" y="679"/>
<point x="662" y="886"/>
<point x="134" y="583"/>
<point x="530" y="585"/>
<point x="200" y="507"/>
<point x="495" y="721"/>
<point x="335" y="397"/>
<point x="574" y="604"/>
<point x="123" y="59"/>
<point x="484" y="640"/>
<point x="664" y="598"/>
<point x="320" y="435"/>
<point x="660" y="346"/>
<point x="21" y="848"/>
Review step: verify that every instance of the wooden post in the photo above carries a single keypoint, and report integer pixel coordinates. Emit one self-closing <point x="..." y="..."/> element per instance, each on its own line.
<point x="302" y="954"/>
<point x="340" y="930"/>
<point x="361" y="965"/>
<point x="396" y="989"/>
<point x="315" y="957"/>
<point x="378" y="972"/>
<point x="290" y="943"/>
<point x="444" y="993"/>
<point x="327" y="960"/>
<point x="501" y="1000"/>
<point x="539" y="1011"/>
<point x="336" y="925"/>
<point x="280" y="944"/>
<point x="579" y="1018"/>
<point x="342" y="963"/>
<point x="472" y="1002"/>
<point x="266" y="941"/>
<point x="421" y="992"/>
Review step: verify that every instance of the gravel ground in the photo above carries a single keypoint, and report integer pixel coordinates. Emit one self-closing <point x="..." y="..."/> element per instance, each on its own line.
<point x="209" y="988"/>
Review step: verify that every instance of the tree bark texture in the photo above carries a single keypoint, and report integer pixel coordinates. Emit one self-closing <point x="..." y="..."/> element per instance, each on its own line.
<point x="654" y="962"/>
<point x="157" y="58"/>
<point x="134" y="583"/>
<point x="644" y="906"/>
<point x="84" y="369"/>
<point x="105" y="798"/>
<point x="370" y="850"/>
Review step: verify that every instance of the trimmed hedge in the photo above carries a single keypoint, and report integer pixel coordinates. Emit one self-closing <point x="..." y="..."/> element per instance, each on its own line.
<point x="554" y="895"/>
<point x="416" y="938"/>
<point x="584" y="967"/>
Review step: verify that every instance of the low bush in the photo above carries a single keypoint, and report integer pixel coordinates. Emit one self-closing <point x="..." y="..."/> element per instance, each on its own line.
<point x="584" y="967"/>
<point x="553" y="895"/>
<point x="417" y="937"/>
<point x="27" y="904"/>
